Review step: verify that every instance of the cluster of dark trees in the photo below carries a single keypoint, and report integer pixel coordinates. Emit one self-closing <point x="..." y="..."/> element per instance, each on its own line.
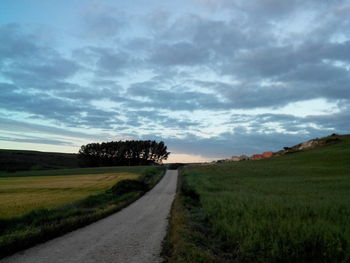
<point x="123" y="153"/>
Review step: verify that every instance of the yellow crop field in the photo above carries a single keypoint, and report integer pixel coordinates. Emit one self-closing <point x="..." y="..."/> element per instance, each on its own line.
<point x="20" y="195"/>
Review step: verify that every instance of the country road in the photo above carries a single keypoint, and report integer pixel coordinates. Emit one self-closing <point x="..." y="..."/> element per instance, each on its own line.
<point x="134" y="234"/>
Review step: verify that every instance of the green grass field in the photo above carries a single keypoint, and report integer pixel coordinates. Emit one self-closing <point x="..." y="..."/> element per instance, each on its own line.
<point x="37" y="206"/>
<point x="293" y="208"/>
<point x="23" y="192"/>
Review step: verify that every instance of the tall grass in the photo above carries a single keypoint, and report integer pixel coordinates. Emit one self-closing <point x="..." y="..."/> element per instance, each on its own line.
<point x="294" y="208"/>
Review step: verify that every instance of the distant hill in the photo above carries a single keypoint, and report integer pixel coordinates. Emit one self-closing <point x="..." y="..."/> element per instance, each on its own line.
<point x="301" y="147"/>
<point x="294" y="207"/>
<point x="314" y="144"/>
<point x="20" y="160"/>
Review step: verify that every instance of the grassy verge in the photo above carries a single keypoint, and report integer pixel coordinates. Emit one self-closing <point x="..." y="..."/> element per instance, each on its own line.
<point x="294" y="208"/>
<point x="190" y="237"/>
<point x="21" y="232"/>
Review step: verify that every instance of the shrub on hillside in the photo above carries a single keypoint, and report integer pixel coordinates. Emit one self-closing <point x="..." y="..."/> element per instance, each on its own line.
<point x="127" y="186"/>
<point x="149" y="175"/>
<point x="144" y="183"/>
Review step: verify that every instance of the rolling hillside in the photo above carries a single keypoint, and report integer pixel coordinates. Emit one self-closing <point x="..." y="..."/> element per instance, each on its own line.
<point x="291" y="208"/>
<point x="20" y="160"/>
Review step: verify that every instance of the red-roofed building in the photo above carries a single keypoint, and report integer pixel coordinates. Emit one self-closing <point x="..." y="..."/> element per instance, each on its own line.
<point x="257" y="157"/>
<point x="267" y="155"/>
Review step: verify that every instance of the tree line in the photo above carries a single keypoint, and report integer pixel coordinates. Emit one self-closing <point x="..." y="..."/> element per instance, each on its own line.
<point x="118" y="153"/>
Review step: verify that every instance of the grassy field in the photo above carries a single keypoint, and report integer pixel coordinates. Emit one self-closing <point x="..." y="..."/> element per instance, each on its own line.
<point x="293" y="208"/>
<point x="23" y="192"/>
<point x="36" y="208"/>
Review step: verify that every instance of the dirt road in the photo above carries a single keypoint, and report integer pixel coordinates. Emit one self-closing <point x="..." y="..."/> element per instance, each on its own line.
<point x="131" y="235"/>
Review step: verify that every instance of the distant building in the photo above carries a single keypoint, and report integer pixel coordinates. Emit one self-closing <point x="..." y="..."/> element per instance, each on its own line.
<point x="267" y="154"/>
<point x="257" y="157"/>
<point x="235" y="158"/>
<point x="243" y="158"/>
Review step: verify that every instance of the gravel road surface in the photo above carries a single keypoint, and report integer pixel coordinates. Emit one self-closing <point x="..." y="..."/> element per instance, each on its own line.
<point x="134" y="234"/>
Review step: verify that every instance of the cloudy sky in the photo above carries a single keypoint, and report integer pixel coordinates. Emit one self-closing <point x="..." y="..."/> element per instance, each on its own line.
<point x="212" y="78"/>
